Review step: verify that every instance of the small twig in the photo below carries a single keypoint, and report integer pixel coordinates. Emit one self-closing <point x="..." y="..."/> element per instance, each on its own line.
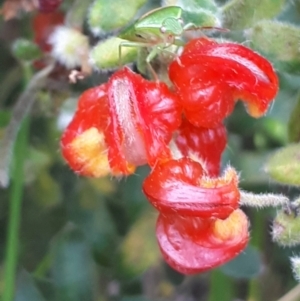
<point x="263" y="200"/>
<point x="9" y="82"/>
<point x="20" y="110"/>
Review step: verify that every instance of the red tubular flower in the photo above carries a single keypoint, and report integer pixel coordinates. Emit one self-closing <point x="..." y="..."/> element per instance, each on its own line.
<point x="194" y="245"/>
<point x="210" y="77"/>
<point x="206" y="144"/>
<point x="124" y="123"/>
<point x="180" y="186"/>
<point x="200" y="226"/>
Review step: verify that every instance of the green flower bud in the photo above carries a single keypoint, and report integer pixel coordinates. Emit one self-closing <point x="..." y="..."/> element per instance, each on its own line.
<point x="26" y="50"/>
<point x="241" y="14"/>
<point x="105" y="55"/>
<point x="286" y="228"/>
<point x="278" y="40"/>
<point x="105" y="16"/>
<point x="284" y="165"/>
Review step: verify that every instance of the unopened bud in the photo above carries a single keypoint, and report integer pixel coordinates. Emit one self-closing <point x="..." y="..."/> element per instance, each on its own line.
<point x="69" y="46"/>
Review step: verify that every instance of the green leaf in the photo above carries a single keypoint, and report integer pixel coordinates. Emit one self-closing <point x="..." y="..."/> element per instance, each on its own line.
<point x="201" y="18"/>
<point x="105" y="16"/>
<point x="193" y="5"/>
<point x="73" y="266"/>
<point x="26" y="289"/>
<point x="247" y="265"/>
<point x="284" y="165"/>
<point x="198" y="12"/>
<point x="77" y="13"/>
<point x="241" y="14"/>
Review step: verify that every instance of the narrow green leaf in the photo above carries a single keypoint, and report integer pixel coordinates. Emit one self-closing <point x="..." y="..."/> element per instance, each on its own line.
<point x="294" y="122"/>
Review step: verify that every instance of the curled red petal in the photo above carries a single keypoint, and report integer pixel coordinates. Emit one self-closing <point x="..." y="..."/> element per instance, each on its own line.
<point x="209" y="77"/>
<point x="194" y="245"/>
<point x="83" y="142"/>
<point x="197" y="45"/>
<point x="179" y="186"/>
<point x="144" y="115"/>
<point x="207" y="144"/>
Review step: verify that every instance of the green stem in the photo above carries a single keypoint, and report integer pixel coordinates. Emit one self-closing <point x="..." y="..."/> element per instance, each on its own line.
<point x="15" y="211"/>
<point x="220" y="287"/>
<point x="15" y="202"/>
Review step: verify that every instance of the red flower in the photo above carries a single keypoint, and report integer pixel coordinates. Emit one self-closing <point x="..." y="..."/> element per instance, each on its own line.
<point x="180" y="186"/>
<point x="200" y="226"/>
<point x="209" y="78"/>
<point x="83" y="143"/>
<point x="122" y="124"/>
<point x="144" y="115"/>
<point x="194" y="245"/>
<point x="206" y="144"/>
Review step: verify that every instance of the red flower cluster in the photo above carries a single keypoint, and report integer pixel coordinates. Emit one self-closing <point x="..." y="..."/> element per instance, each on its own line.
<point x="130" y="121"/>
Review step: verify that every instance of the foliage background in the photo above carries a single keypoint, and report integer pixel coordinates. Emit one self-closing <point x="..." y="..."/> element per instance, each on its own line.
<point x="94" y="239"/>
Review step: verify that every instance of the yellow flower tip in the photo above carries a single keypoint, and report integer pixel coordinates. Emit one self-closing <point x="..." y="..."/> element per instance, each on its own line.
<point x="255" y="111"/>
<point x="90" y="152"/>
<point x="232" y="228"/>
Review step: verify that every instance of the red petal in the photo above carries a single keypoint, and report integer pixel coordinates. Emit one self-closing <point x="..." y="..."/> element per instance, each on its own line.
<point x="143" y="116"/>
<point x="210" y="76"/>
<point x="83" y="144"/>
<point x="194" y="245"/>
<point x="206" y="144"/>
<point x="197" y="45"/>
<point x="179" y="186"/>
